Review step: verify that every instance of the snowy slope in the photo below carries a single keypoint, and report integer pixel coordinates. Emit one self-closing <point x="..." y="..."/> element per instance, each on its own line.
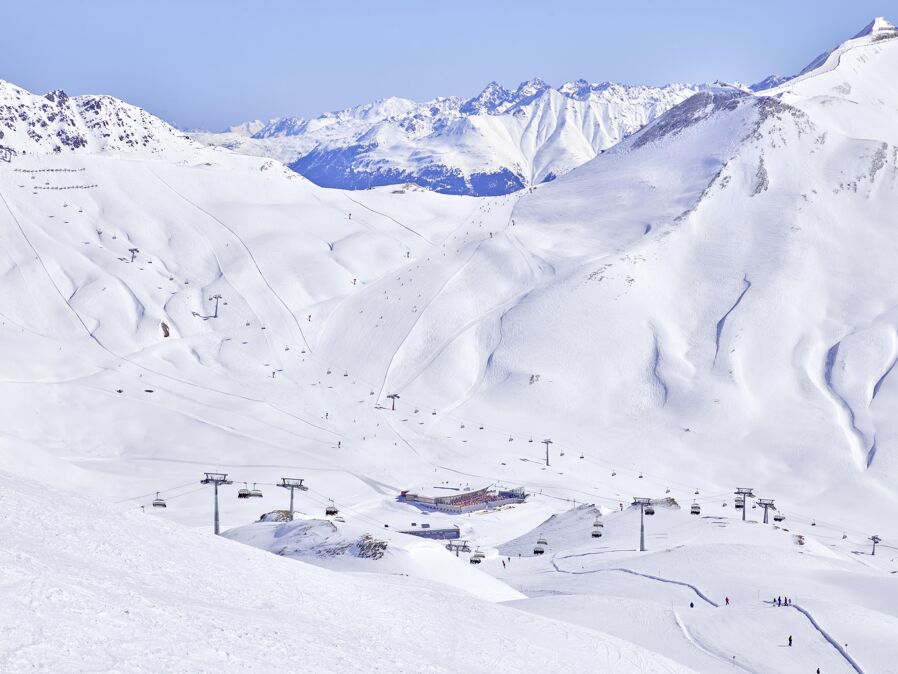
<point x="495" y="143"/>
<point x="707" y="304"/>
<point x="86" y="589"/>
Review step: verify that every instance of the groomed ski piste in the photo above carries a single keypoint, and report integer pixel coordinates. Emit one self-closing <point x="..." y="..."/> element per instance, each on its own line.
<point x="706" y="306"/>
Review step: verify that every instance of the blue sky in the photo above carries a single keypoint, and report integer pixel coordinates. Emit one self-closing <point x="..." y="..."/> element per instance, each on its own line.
<point x="204" y="63"/>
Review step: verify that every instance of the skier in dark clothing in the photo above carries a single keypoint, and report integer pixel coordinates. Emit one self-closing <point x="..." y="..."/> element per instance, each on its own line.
<point x="790" y="641"/>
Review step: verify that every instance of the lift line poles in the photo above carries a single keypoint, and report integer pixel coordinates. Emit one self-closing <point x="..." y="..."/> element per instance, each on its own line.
<point x="642" y="503"/>
<point x="746" y="493"/>
<point x="766" y="504"/>
<point x="216" y="479"/>
<point x="547" y="442"/>
<point x="875" y="540"/>
<point x="292" y="483"/>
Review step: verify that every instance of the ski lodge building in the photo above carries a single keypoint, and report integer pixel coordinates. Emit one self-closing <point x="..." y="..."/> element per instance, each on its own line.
<point x="465" y="502"/>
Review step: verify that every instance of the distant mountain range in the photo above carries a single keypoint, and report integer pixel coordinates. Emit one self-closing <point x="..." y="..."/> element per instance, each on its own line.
<point x="497" y="142"/>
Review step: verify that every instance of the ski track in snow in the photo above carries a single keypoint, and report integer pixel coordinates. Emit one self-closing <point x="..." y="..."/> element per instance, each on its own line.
<point x="390" y="217"/>
<point x="250" y="255"/>
<point x="697" y="591"/>
<point x="835" y="644"/>
<point x="704" y="648"/>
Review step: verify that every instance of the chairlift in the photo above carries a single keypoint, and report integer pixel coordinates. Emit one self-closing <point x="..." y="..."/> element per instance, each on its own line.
<point x="740" y="502"/>
<point x="813" y="523"/>
<point x="640" y="475"/>
<point x="696" y="492"/>
<point x="331" y="510"/>
<point x="244" y="491"/>
<point x="695" y="509"/>
<point x="596" y="533"/>
<point x="541" y="541"/>
<point x="581" y="455"/>
<point x="650" y="510"/>
<point x="667" y="491"/>
<point x="530" y="440"/>
<point x="778" y="517"/>
<point x="613" y="473"/>
<point x="598" y="524"/>
<point x="477" y="557"/>
<point x="256" y="493"/>
<point x="159" y="502"/>
<point x="481" y="427"/>
<point x="510" y="439"/>
<point x="538" y="549"/>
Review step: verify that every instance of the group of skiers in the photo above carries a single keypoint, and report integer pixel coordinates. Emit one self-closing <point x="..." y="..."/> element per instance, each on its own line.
<point x="781" y="601"/>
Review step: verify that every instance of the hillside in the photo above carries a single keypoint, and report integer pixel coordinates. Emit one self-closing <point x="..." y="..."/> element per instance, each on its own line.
<point x="707" y="304"/>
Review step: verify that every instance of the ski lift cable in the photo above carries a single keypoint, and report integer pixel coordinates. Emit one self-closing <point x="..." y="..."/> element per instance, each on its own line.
<point x="153" y="493"/>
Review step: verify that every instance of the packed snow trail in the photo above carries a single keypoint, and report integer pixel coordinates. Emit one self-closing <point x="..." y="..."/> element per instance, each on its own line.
<point x="250" y="256"/>
<point x="835" y="644"/>
<point x="390" y="217"/>
<point x="698" y="592"/>
<point x="704" y="649"/>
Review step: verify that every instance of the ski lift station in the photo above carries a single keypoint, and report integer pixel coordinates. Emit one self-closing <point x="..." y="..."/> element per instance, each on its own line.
<point x="465" y="502"/>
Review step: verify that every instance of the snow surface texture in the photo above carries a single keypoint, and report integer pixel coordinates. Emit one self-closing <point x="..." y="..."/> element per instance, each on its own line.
<point x="708" y="304"/>
<point x="85" y="589"/>
<point x="492" y="144"/>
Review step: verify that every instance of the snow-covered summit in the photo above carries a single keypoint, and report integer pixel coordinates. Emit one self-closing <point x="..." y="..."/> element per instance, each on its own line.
<point x="879" y="29"/>
<point x="57" y="122"/>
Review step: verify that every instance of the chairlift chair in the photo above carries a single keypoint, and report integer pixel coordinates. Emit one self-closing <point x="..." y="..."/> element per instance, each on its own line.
<point x="598" y="524"/>
<point x="695" y="509"/>
<point x="650" y="510"/>
<point x="256" y="493"/>
<point x="331" y="509"/>
<point x="244" y="491"/>
<point x="596" y="533"/>
<point x="740" y="502"/>
<point x="477" y="557"/>
<point x="778" y="517"/>
<point x="538" y="549"/>
<point x="159" y="502"/>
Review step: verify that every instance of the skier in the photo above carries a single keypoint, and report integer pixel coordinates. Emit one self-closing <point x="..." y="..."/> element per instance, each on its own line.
<point x="691" y="605"/>
<point x="727" y="600"/>
<point x="503" y="563"/>
<point x="790" y="641"/>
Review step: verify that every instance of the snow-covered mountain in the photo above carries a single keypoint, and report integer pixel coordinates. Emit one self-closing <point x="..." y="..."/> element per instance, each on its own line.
<point x="59" y="123"/>
<point x="708" y="304"/>
<point x="495" y="143"/>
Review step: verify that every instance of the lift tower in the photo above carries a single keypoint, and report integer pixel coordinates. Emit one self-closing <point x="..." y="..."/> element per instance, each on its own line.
<point x="745" y="493"/>
<point x="216" y="479"/>
<point x="292" y="483"/>
<point x="766" y="504"/>
<point x="641" y="503"/>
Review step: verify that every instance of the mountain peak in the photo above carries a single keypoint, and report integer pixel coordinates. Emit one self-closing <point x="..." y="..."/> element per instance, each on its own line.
<point x="880" y="29"/>
<point x="489" y="101"/>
